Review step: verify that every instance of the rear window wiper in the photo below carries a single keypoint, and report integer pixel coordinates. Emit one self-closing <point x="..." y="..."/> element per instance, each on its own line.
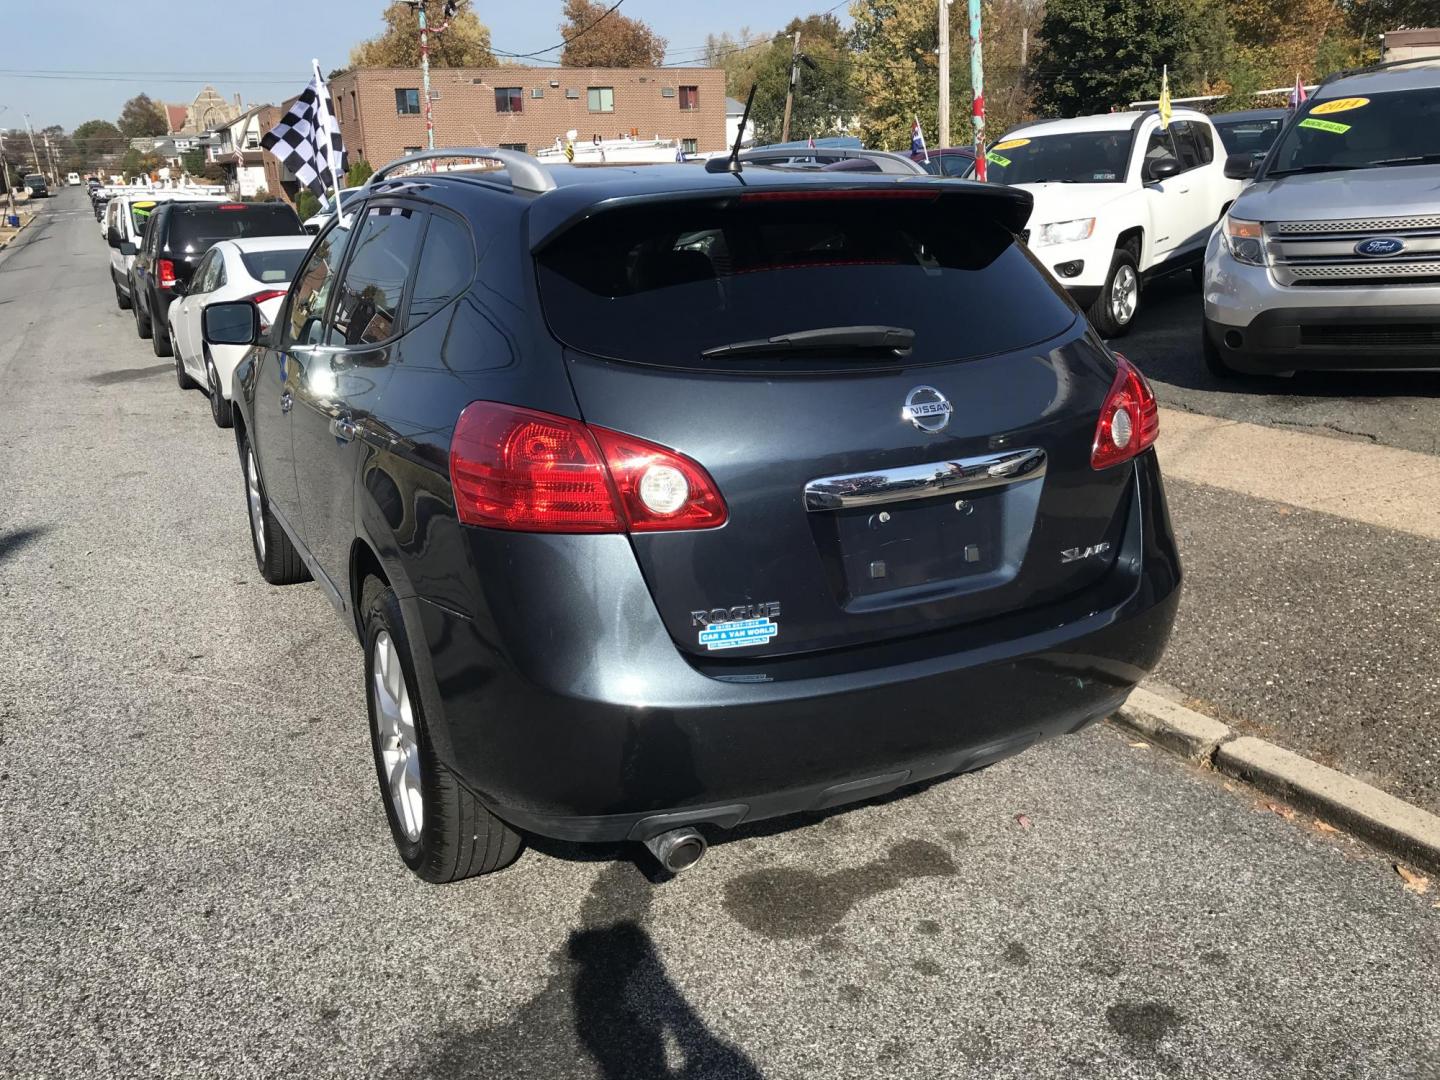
<point x="895" y="340"/>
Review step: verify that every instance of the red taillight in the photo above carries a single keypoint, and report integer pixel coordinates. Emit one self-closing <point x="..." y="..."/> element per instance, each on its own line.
<point x="268" y="294"/>
<point x="1129" y="419"/>
<point x="165" y="272"/>
<point x="531" y="471"/>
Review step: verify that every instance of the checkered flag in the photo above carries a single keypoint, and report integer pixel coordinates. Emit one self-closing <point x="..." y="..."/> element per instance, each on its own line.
<point x="307" y="139"/>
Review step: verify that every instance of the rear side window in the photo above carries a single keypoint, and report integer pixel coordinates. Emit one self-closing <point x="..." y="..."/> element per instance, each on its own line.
<point x="311" y="293"/>
<point x="382" y="260"/>
<point x="140" y="215"/>
<point x="447" y="262"/>
<point x="272" y="267"/>
<point x="659" y="284"/>
<point x="199" y="229"/>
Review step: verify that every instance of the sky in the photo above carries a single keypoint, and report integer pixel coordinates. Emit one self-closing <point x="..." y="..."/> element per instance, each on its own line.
<point x="83" y="59"/>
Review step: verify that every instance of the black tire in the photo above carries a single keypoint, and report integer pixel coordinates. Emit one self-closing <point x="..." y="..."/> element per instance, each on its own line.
<point x="1214" y="362"/>
<point x="222" y="411"/>
<point x="142" y="321"/>
<point x="182" y="377"/>
<point x="456" y="837"/>
<point x="121" y="300"/>
<point x="275" y="556"/>
<point x="162" y="346"/>
<point x="1103" y="312"/>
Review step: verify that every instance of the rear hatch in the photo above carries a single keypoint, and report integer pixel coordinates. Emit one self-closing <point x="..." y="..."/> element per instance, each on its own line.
<point x="923" y="462"/>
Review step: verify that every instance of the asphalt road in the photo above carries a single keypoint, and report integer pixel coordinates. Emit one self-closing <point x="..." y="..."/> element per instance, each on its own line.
<point x="199" y="882"/>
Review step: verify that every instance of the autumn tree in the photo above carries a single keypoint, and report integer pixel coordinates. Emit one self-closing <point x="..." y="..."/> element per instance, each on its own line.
<point x="738" y="56"/>
<point x="827" y="99"/>
<point x="599" y="36"/>
<point x="97" y="139"/>
<point x="1278" y="39"/>
<point x="465" y="42"/>
<point x="140" y="116"/>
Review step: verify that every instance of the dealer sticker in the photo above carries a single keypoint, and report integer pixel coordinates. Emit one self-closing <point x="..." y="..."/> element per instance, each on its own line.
<point x="996" y="159"/>
<point x="1011" y="144"/>
<point x="738" y="634"/>
<point x="1344" y="104"/>
<point x="1324" y="125"/>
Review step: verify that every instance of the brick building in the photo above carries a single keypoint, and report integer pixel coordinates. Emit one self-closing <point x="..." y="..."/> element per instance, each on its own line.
<point x="382" y="115"/>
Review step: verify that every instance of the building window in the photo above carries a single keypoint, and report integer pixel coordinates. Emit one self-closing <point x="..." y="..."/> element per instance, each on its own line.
<point x="537" y="92"/>
<point x="354" y="107"/>
<point x="667" y="91"/>
<point x="411" y="150"/>
<point x="252" y="141"/>
<point x="690" y="146"/>
<point x="407" y="101"/>
<point x="602" y="99"/>
<point x="572" y="95"/>
<point x="689" y="98"/>
<point x="522" y="147"/>
<point x="509" y="99"/>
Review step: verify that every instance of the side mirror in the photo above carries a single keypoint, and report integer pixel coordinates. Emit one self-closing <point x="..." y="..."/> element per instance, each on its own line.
<point x="1161" y="169"/>
<point x="233" y="323"/>
<point x="1242" y="166"/>
<point x="113" y="236"/>
<point x="127" y="248"/>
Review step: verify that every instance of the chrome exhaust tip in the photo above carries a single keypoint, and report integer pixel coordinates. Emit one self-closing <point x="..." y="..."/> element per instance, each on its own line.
<point x="678" y="849"/>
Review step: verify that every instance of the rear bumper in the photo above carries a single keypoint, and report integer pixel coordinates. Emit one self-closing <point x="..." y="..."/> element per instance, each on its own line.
<point x="599" y="729"/>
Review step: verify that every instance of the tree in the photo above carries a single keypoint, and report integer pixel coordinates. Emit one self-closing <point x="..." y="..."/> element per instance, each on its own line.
<point x="135" y="163"/>
<point x="1279" y="39"/>
<point x="599" y="36"/>
<point x="142" y="116"/>
<point x="465" y="43"/>
<point x="359" y="172"/>
<point x="828" y="98"/>
<point x="97" y="139"/>
<point x="306" y="204"/>
<point x="1095" y="54"/>
<point x="737" y="57"/>
<point x="194" y="161"/>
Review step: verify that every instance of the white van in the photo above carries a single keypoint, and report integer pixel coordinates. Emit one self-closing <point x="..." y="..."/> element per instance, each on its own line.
<point x="73" y="179"/>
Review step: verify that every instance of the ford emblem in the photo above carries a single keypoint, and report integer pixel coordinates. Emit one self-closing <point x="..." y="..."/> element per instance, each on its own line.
<point x="926" y="408"/>
<point x="1380" y="245"/>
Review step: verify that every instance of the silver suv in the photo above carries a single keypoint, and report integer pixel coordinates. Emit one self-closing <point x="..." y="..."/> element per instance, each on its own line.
<point x="1331" y="258"/>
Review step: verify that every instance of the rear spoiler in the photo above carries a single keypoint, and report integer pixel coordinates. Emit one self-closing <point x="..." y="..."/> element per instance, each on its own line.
<point x="563" y="209"/>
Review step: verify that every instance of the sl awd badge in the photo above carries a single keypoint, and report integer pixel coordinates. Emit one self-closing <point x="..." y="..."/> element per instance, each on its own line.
<point x="927" y="408"/>
<point x="736" y="627"/>
<point x="1069" y="555"/>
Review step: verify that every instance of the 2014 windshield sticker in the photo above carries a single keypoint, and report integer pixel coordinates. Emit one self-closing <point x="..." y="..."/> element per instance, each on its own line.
<point x="1010" y="144"/>
<point x="1344" y="104"/>
<point x="1324" y="125"/>
<point x="736" y="627"/>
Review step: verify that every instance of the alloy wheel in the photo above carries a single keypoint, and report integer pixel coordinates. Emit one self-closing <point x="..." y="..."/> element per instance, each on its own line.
<point x="399" y="746"/>
<point x="257" y="506"/>
<point x="1124" y="294"/>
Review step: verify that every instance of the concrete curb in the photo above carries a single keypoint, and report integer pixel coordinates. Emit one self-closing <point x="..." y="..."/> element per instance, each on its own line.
<point x="1392" y="824"/>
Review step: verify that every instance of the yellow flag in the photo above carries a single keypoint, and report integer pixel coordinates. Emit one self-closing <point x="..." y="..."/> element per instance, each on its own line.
<point x="1165" y="98"/>
<point x="569" y="150"/>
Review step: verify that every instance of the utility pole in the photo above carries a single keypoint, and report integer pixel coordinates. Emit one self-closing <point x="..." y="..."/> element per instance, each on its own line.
<point x="5" y="170"/>
<point x="33" y="152"/>
<point x="425" y="32"/>
<point x="977" y="84"/>
<point x="50" y="154"/>
<point x="944" y="133"/>
<point x="794" y="82"/>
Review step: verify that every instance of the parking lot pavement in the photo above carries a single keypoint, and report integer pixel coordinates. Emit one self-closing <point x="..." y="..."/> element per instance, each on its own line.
<point x="199" y="881"/>
<point x="1392" y="408"/>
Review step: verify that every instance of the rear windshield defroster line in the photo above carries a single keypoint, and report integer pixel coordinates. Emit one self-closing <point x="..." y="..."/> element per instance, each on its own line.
<point x="662" y="283"/>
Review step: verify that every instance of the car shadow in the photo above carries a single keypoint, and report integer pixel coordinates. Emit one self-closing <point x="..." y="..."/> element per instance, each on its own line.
<point x="17" y="539"/>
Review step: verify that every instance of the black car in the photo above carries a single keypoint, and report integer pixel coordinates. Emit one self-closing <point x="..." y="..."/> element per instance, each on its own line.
<point x="177" y="237"/>
<point x="663" y="499"/>
<point x="1250" y="131"/>
<point x="37" y="186"/>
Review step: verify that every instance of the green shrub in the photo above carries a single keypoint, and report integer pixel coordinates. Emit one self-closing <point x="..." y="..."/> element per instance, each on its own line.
<point x="359" y="173"/>
<point x="307" y="205"/>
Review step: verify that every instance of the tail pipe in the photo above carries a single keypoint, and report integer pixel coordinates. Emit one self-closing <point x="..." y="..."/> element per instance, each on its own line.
<point x="678" y="849"/>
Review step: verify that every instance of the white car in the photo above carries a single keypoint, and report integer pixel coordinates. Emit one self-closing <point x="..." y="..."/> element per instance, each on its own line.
<point x="1119" y="199"/>
<point x="259" y="269"/>
<point x="73" y="179"/>
<point x="317" y="221"/>
<point x="123" y="226"/>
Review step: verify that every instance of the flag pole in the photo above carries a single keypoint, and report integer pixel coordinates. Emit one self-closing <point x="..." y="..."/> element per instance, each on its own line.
<point x="322" y="113"/>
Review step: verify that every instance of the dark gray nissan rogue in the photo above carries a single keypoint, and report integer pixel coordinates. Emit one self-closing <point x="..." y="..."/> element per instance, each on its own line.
<point x="666" y="498"/>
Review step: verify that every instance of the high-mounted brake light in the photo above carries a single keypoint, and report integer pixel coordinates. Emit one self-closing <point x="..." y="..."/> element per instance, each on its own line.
<point x="833" y="194"/>
<point x="165" y="272"/>
<point x="1129" y="419"/>
<point x="231" y="206"/>
<point x="531" y="471"/>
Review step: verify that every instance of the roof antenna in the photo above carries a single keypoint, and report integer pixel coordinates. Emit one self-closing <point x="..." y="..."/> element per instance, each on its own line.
<point x="731" y="164"/>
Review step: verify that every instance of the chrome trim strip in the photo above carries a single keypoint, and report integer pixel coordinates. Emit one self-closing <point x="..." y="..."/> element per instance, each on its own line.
<point x="1357" y="225"/>
<point x="924" y="481"/>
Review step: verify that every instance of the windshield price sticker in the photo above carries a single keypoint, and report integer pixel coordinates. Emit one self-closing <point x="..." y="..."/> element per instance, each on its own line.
<point x="1344" y="104"/>
<point x="996" y="159"/>
<point x="738" y="634"/>
<point x="1010" y="144"/>
<point x="1324" y="125"/>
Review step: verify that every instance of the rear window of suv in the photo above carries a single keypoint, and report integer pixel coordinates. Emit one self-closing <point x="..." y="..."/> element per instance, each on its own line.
<point x="661" y="283"/>
<point x="198" y="228"/>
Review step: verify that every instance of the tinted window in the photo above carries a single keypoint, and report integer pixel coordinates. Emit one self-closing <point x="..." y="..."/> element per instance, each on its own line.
<point x="447" y="262"/>
<point x="660" y="285"/>
<point x="312" y="289"/>
<point x="1397" y="128"/>
<point x="1249" y="136"/>
<point x="140" y="214"/>
<point x="272" y="266"/>
<point x="1078" y="157"/>
<point x="199" y="228"/>
<point x="382" y="261"/>
<point x="1175" y="142"/>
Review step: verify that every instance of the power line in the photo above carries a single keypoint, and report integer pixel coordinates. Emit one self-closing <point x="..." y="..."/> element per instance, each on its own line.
<point x="566" y="41"/>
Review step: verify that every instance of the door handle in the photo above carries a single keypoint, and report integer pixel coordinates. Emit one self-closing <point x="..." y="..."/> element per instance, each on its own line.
<point x="343" y="427"/>
<point x="286" y="400"/>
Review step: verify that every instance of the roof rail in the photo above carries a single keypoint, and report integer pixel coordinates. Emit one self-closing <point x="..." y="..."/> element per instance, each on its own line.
<point x="1369" y="68"/>
<point x="526" y="174"/>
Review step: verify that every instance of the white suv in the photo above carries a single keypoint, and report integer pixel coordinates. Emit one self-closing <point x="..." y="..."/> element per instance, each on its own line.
<point x="1331" y="259"/>
<point x="1118" y="199"/>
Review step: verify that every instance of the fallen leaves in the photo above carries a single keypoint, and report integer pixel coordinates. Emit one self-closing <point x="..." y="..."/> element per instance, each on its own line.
<point x="1325" y="826"/>
<point x="1139" y="745"/>
<point x="1283" y="811"/>
<point x="1024" y="822"/>
<point x="1419" y="884"/>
